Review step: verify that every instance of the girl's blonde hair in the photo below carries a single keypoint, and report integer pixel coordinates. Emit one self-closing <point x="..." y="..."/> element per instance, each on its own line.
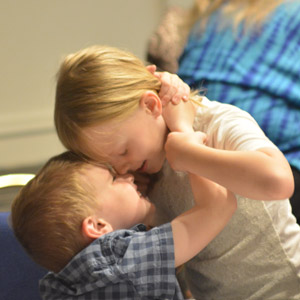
<point x="95" y="85"/>
<point x="252" y="12"/>
<point x="48" y="212"/>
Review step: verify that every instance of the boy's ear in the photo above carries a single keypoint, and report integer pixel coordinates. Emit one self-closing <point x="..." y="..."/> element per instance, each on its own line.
<point x="93" y="227"/>
<point x="152" y="103"/>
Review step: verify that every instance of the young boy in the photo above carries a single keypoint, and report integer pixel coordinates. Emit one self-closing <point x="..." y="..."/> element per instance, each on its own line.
<point x="82" y="223"/>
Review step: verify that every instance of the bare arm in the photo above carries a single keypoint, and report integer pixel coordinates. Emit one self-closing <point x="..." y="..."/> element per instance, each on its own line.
<point x="196" y="228"/>
<point x="263" y="174"/>
<point x="214" y="206"/>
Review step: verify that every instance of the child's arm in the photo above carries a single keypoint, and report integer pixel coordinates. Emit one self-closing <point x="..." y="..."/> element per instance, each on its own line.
<point x="196" y="228"/>
<point x="263" y="174"/>
<point x="214" y="206"/>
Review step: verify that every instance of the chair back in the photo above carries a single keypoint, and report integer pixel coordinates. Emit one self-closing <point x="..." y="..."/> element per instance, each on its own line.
<point x="19" y="274"/>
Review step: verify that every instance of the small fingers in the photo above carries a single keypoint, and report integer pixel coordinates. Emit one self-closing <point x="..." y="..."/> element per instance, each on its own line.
<point x="168" y="88"/>
<point x="172" y="87"/>
<point x="178" y="90"/>
<point x="184" y="91"/>
<point x="151" y="69"/>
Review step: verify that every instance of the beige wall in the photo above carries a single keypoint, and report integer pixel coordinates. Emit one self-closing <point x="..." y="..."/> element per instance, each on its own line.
<point x="35" y="35"/>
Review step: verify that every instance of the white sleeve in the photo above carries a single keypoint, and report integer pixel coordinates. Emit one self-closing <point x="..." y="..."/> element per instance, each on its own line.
<point x="230" y="128"/>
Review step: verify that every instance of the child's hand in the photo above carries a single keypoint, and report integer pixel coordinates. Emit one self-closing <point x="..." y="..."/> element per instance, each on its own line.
<point x="180" y="117"/>
<point x="178" y="146"/>
<point x="172" y="87"/>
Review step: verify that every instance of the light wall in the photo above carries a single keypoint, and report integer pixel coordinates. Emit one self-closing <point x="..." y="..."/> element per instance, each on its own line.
<point x="35" y="36"/>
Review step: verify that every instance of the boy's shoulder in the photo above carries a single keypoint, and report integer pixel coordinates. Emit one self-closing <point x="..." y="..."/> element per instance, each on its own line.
<point x="126" y="243"/>
<point x="108" y="249"/>
<point x="112" y="258"/>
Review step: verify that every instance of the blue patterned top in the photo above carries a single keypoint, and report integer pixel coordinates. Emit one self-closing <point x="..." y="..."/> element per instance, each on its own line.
<point x="258" y="72"/>
<point x="124" y="264"/>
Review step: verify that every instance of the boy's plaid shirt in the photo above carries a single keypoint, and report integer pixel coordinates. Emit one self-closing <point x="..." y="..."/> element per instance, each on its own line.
<point x="125" y="264"/>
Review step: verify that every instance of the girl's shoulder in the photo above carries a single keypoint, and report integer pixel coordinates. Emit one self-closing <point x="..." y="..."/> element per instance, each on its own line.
<point x="215" y="109"/>
<point x="229" y="127"/>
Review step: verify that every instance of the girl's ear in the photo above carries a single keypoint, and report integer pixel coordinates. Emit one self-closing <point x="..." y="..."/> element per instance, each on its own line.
<point x="152" y="103"/>
<point x="93" y="227"/>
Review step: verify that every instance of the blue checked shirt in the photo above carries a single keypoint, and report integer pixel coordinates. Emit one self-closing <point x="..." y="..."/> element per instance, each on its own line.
<point x="125" y="264"/>
<point x="258" y="72"/>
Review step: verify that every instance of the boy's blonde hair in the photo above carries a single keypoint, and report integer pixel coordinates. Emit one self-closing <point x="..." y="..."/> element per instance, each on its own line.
<point x="95" y="85"/>
<point x="253" y="12"/>
<point x="48" y="212"/>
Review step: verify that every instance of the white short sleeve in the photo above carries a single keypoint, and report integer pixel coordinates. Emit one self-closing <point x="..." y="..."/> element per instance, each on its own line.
<point x="230" y="128"/>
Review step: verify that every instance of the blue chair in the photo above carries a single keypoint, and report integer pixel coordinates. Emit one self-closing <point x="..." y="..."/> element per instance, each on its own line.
<point x="19" y="274"/>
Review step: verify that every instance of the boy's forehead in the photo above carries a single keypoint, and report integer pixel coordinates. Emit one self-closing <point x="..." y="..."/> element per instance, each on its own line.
<point x="99" y="172"/>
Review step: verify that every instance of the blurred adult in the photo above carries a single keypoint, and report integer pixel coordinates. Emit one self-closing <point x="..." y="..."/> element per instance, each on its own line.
<point x="246" y="53"/>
